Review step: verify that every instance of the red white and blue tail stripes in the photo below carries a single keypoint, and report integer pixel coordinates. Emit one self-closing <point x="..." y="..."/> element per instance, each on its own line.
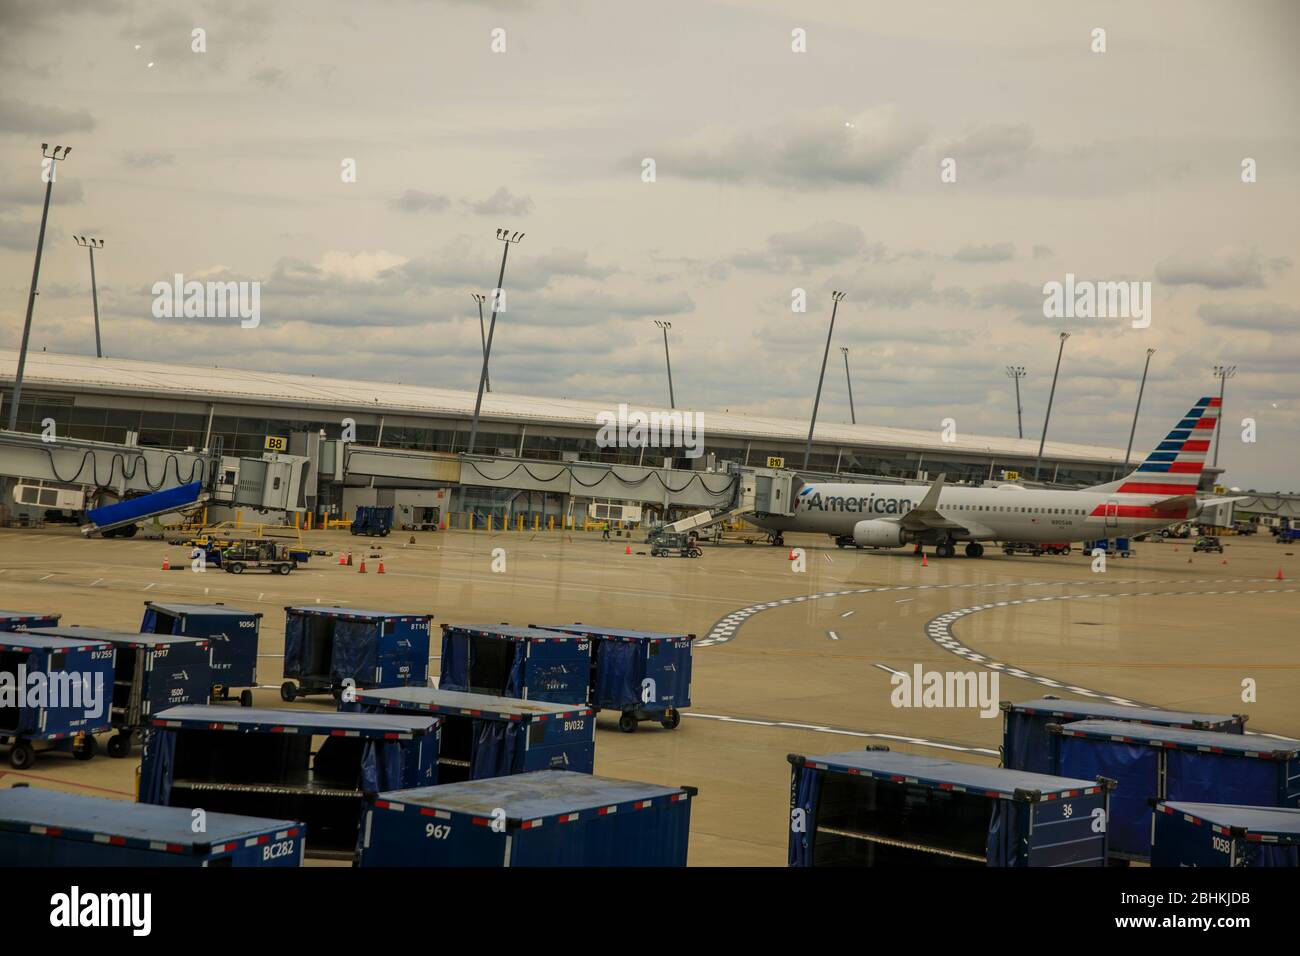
<point x="1175" y="467"/>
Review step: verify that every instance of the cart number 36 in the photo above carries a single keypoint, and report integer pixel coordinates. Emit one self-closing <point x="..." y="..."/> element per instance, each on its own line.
<point x="437" y="831"/>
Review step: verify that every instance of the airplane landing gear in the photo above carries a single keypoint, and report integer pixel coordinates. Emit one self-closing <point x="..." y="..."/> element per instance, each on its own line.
<point x="944" y="550"/>
<point x="974" y="550"/>
<point x="843" y="541"/>
<point x="776" y="539"/>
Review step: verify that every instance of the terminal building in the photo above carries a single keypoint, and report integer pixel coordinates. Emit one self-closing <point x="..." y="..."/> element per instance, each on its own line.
<point x="406" y="443"/>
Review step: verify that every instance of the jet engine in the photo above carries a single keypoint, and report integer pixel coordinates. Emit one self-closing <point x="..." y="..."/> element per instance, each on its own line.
<point x="879" y="534"/>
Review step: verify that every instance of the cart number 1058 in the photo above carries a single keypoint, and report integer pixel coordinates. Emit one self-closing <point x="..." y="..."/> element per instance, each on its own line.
<point x="437" y="831"/>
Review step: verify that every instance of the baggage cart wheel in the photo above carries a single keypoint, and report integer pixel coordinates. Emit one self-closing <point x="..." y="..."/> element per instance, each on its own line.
<point x="119" y="745"/>
<point x="627" y="723"/>
<point x="21" y="755"/>
<point x="89" y="747"/>
<point x="671" y="718"/>
<point x="288" y="691"/>
<point x="246" y="698"/>
<point x="236" y="568"/>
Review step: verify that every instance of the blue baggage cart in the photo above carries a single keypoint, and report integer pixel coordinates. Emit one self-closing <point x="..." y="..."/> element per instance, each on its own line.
<point x="49" y="828"/>
<point x="150" y="673"/>
<point x="644" y="675"/>
<point x="261" y="762"/>
<point x="878" y="808"/>
<point x="1111" y="547"/>
<point x="232" y="633"/>
<point x="1026" y="744"/>
<point x="1168" y="763"/>
<point x="373" y="521"/>
<point x="546" y="818"/>
<point x="77" y="697"/>
<point x="1216" y="834"/>
<point x="25" y="620"/>
<point x="507" y="661"/>
<point x="326" y="647"/>
<point x="494" y="736"/>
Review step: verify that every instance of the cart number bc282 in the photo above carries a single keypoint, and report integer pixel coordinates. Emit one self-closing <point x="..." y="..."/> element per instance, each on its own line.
<point x="437" y="831"/>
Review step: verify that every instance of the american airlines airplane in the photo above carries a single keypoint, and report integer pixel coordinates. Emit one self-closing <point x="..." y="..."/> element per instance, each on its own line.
<point x="1161" y="492"/>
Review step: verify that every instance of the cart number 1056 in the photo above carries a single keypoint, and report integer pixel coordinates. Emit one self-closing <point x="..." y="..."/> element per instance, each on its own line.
<point x="437" y="831"/>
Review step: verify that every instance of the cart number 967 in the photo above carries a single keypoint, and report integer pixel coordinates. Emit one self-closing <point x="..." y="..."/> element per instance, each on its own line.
<point x="437" y="831"/>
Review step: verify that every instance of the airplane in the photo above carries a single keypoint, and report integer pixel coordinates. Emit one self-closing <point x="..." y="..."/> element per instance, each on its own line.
<point x="1161" y="492"/>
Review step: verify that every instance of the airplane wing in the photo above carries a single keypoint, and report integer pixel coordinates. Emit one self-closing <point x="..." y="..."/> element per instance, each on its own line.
<point x="925" y="515"/>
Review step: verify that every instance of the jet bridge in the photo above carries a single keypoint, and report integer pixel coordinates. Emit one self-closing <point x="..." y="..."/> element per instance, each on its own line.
<point x="762" y="492"/>
<point x="170" y="479"/>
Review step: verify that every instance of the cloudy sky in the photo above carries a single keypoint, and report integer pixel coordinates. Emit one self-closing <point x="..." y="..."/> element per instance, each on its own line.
<point x="775" y="170"/>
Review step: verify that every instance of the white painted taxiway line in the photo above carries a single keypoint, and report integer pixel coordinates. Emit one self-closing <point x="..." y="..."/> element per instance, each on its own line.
<point x="843" y="732"/>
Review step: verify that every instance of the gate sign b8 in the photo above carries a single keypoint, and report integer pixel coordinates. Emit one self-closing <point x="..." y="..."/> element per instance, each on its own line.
<point x="276" y="443"/>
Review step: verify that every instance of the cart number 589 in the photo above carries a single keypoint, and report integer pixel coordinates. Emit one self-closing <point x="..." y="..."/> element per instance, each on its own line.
<point x="437" y="831"/>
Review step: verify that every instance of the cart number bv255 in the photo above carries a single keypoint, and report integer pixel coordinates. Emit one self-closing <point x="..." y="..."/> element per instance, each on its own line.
<point x="437" y="831"/>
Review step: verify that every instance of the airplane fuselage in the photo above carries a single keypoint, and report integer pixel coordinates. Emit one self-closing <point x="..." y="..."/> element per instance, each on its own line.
<point x="1001" y="513"/>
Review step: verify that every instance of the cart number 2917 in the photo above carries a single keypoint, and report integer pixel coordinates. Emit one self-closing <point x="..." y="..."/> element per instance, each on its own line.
<point x="437" y="831"/>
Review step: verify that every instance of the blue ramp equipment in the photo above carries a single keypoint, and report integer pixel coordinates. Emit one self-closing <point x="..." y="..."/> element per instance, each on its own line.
<point x="644" y="675"/>
<point x="75" y="702"/>
<point x="131" y="510"/>
<point x="373" y="521"/>
<point x="48" y="828"/>
<point x="1026" y="744"/>
<point x="877" y="808"/>
<point x="232" y="633"/>
<point x="260" y="762"/>
<point x="25" y="620"/>
<point x="494" y="736"/>
<point x="505" y="661"/>
<point x="1215" y="834"/>
<point x="150" y="673"/>
<point x="326" y="646"/>
<point x="547" y="818"/>
<point x="1167" y="763"/>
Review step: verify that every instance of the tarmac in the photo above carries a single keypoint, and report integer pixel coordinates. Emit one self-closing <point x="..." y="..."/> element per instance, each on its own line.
<point x="786" y="660"/>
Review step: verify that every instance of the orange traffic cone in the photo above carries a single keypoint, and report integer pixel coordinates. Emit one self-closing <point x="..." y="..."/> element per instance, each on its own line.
<point x="342" y="560"/>
<point x="381" y="567"/>
<point x="349" y="559"/>
<point x="924" y="563"/>
<point x="791" y="558"/>
<point x="167" y="565"/>
<point x="628" y="549"/>
<point x="362" y="569"/>
<point x="1279" y="575"/>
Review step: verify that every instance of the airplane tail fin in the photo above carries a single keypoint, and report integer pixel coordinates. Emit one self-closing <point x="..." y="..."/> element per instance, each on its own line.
<point x="1174" y="467"/>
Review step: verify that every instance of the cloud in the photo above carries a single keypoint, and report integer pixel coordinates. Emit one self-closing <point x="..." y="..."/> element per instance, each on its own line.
<point x="994" y="252"/>
<point x="30" y="193"/>
<point x="1255" y="316"/>
<point x="270" y="77"/>
<point x="501" y="203"/>
<point x="413" y="200"/>
<point x="820" y="149"/>
<point x="28" y="119"/>
<point x="992" y="150"/>
<point x="1230" y="268"/>
<point x="821" y="244"/>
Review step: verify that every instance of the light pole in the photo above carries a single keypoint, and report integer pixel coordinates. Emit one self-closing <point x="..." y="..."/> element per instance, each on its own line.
<point x="1224" y="372"/>
<point x="1038" y="465"/>
<point x="93" y="244"/>
<point x="482" y="331"/>
<point x="506" y="238"/>
<point x="836" y="298"/>
<point x="853" y="416"/>
<point x="1018" y="372"/>
<point x="48" y="171"/>
<point x="1128" y="451"/>
<point x="672" y="402"/>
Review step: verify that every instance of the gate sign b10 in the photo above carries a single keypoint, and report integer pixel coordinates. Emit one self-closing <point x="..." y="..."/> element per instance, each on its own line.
<point x="276" y="443"/>
<point x="775" y="462"/>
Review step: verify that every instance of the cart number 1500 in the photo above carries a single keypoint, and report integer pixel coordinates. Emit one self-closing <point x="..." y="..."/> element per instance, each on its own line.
<point x="437" y="831"/>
